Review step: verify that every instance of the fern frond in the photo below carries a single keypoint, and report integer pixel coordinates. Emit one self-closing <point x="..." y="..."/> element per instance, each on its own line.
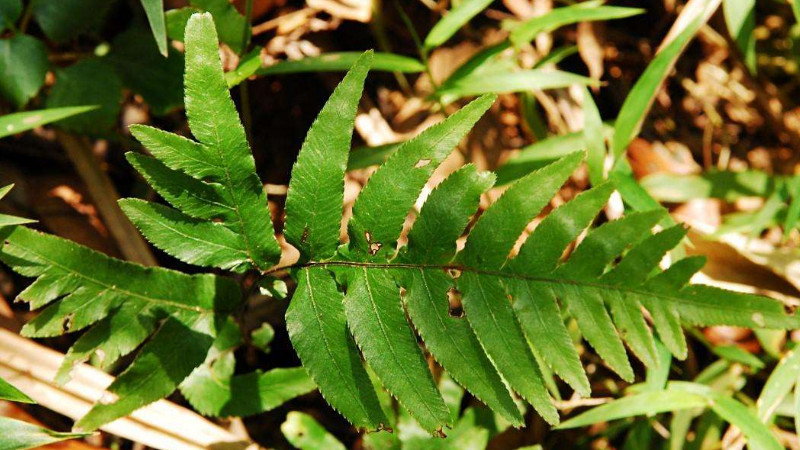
<point x="513" y="304"/>
<point x="124" y="304"/>
<point x="211" y="183"/>
<point x="351" y="300"/>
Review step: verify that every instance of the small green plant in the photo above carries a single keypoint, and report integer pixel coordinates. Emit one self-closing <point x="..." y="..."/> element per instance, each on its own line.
<point x="351" y="299"/>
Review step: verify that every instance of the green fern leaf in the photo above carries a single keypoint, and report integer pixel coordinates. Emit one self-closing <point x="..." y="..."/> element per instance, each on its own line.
<point x="511" y="302"/>
<point x="316" y="190"/>
<point x="384" y="203"/>
<point x="317" y="328"/>
<point x="125" y="303"/>
<point x="213" y="178"/>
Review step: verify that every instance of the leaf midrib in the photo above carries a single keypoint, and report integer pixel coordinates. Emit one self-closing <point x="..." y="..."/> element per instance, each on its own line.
<point x="496" y="273"/>
<point x="114" y="288"/>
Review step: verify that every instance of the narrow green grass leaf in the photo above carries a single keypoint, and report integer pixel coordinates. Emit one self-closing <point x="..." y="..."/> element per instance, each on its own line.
<point x="507" y="82"/>
<point x="636" y="105"/>
<point x="457" y="17"/>
<point x="154" y="9"/>
<point x="489" y="313"/>
<point x="723" y="184"/>
<point x="589" y="11"/>
<point x="796" y="402"/>
<point x="734" y="412"/>
<point x="376" y="319"/>
<point x="316" y="190"/>
<point x="342" y="61"/>
<point x="740" y="18"/>
<point x="764" y="216"/>
<point x="316" y="324"/>
<point x="363" y="157"/>
<point x="541" y="153"/>
<point x="390" y="193"/>
<point x="11" y="124"/>
<point x="780" y="382"/>
<point x="594" y="139"/>
<point x="484" y="62"/>
<point x="19" y="435"/>
<point x="793" y="212"/>
<point x="648" y="403"/>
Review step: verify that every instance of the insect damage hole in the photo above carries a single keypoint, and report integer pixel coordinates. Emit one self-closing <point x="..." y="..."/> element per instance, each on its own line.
<point x="374" y="247"/>
<point x="422" y="163"/>
<point x="454" y="299"/>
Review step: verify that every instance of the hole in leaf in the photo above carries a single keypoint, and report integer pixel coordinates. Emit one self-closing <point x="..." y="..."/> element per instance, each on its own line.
<point x="422" y="163"/>
<point x="454" y="273"/>
<point x="790" y="309"/>
<point x="454" y="299"/>
<point x="374" y="247"/>
<point x="66" y="324"/>
<point x="216" y="220"/>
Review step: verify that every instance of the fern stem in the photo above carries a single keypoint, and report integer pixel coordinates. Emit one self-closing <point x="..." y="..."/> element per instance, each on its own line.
<point x="460" y="268"/>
